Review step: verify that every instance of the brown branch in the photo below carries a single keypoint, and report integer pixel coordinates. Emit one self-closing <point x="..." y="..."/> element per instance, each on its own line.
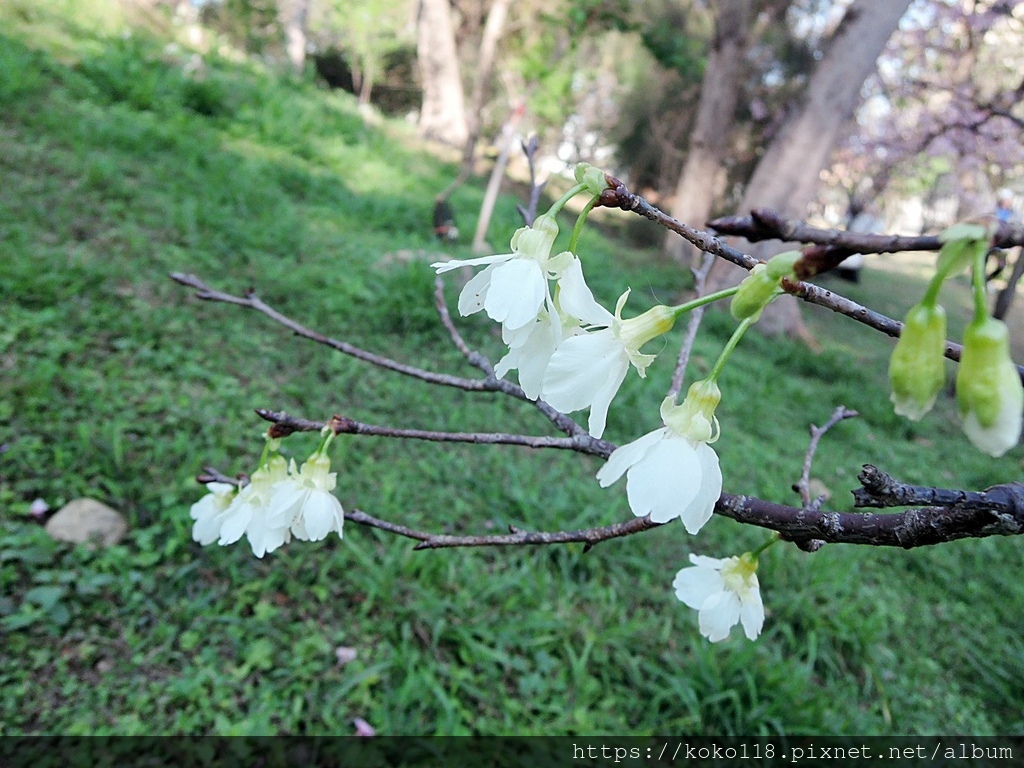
<point x="474" y="357"/>
<point x="803" y="486"/>
<point x="529" y="213"/>
<point x="768" y="224"/>
<point x="621" y="197"/>
<point x="490" y="384"/>
<point x="999" y="513"/>
<point x="618" y="196"/>
<point x="700" y="275"/>
<point x="284" y="425"/>
<point x="1003" y="516"/>
<point x="516" y="537"/>
<point x="879" y="489"/>
<point x="251" y="301"/>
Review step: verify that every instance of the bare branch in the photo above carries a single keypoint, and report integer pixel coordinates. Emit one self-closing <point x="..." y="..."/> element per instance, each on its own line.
<point x="529" y="213"/>
<point x="1002" y="516"/>
<point x="285" y="425"/>
<point x="251" y="301"/>
<point x="621" y="197"/>
<point x="768" y="224"/>
<point x="998" y="511"/>
<point x="700" y="275"/>
<point x="588" y="536"/>
<point x="618" y="196"/>
<point x="803" y="486"/>
<point x="474" y="357"/>
<point x="489" y="384"/>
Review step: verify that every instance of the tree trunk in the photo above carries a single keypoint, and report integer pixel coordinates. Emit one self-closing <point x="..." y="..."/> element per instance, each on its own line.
<point x="293" y="19"/>
<point x="443" y="115"/>
<point x="484" y="67"/>
<point x="1005" y="298"/>
<point x="786" y="178"/>
<point x="701" y="181"/>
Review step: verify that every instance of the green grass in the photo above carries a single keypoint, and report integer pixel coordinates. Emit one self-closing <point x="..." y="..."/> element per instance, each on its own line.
<point x="117" y="168"/>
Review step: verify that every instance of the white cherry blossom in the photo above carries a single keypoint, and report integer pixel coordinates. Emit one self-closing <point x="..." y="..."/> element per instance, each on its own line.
<point x="725" y="592"/>
<point x="208" y="512"/>
<point x="673" y="472"/>
<point x="303" y="502"/>
<point x="587" y="370"/>
<point x="514" y="286"/>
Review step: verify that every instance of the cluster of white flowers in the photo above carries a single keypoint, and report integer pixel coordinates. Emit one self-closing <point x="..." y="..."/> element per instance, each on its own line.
<point x="280" y="501"/>
<point x="574" y="354"/>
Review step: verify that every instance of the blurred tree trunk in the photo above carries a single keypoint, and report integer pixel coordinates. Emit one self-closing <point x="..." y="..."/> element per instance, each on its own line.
<point x="701" y="181"/>
<point x="786" y="178"/>
<point x="293" y="20"/>
<point x="443" y="114"/>
<point x="484" y="67"/>
<point x="1005" y="298"/>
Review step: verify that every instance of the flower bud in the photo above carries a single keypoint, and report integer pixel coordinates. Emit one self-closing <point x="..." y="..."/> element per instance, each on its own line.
<point x="594" y="178"/>
<point x="917" y="369"/>
<point x="988" y="389"/>
<point x="637" y="331"/>
<point x="535" y="242"/>
<point x="755" y="292"/>
<point x="695" y="416"/>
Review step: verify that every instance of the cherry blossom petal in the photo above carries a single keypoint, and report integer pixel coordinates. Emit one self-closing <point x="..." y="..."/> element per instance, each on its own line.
<point x="701" y="508"/>
<point x="471" y="299"/>
<point x="322" y="514"/>
<point x="625" y="456"/>
<point x="752" y="611"/>
<point x="516" y="294"/>
<point x="694" y="586"/>
<point x="718" y="615"/>
<point x="665" y="481"/>
<point x="448" y="266"/>
<point x="580" y="368"/>
<point x="576" y="300"/>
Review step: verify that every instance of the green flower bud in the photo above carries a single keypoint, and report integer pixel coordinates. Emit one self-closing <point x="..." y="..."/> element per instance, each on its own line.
<point x="637" y="331"/>
<point x="988" y="389"/>
<point x="695" y="417"/>
<point x="917" y="369"/>
<point x="593" y="177"/>
<point x="782" y="265"/>
<point x="762" y="285"/>
<point x="756" y="290"/>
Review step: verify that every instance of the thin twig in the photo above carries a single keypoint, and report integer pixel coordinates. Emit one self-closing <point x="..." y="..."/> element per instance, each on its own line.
<point x="252" y="301"/>
<point x="285" y="425"/>
<point x="700" y="275"/>
<point x="474" y="357"/>
<point x="490" y="384"/>
<point x="529" y="213"/>
<point x="517" y="537"/>
<point x="768" y="224"/>
<point x="621" y="197"/>
<point x="803" y="486"/>
<point x="618" y="196"/>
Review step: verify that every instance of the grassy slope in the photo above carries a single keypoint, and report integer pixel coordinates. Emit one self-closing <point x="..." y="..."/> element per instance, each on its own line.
<point x="117" y="385"/>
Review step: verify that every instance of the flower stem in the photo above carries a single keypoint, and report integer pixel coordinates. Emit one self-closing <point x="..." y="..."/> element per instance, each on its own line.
<point x="978" y="281"/>
<point x="931" y="295"/>
<point x="560" y="202"/>
<point x="700" y="301"/>
<point x="326" y="436"/>
<point x="729" y="347"/>
<point x="272" y="445"/>
<point x="771" y="540"/>
<point x="576" y="230"/>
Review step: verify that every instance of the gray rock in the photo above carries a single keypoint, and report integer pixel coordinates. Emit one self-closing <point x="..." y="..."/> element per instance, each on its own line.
<point x="87" y="521"/>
